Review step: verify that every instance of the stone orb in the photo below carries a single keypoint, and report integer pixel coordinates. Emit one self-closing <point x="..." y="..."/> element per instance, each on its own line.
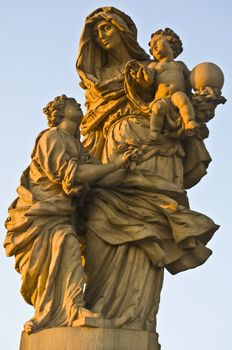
<point x="206" y="74"/>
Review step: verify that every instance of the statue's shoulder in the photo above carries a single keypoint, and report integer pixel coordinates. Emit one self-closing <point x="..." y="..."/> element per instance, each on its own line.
<point x="49" y="133"/>
<point x="46" y="137"/>
<point x="183" y="66"/>
<point x="151" y="64"/>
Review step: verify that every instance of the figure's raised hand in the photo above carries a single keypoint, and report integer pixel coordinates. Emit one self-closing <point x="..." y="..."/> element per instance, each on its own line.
<point x="123" y="158"/>
<point x="134" y="72"/>
<point x="141" y="75"/>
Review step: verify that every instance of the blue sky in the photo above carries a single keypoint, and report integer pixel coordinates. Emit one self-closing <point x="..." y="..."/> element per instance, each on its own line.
<point x="39" y="43"/>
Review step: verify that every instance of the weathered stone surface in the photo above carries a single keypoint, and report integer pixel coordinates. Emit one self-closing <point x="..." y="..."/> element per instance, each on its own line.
<point x="93" y="322"/>
<point x="85" y="338"/>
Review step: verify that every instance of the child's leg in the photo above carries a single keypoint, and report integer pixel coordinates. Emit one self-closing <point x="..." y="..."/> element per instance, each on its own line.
<point x="181" y="100"/>
<point x="158" y="112"/>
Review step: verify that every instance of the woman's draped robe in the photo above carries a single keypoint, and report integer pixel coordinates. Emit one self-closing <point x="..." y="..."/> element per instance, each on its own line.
<point x="40" y="232"/>
<point x="140" y="227"/>
<point x="145" y="224"/>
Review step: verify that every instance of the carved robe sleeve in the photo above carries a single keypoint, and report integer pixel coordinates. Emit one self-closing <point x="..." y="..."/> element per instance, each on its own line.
<point x="59" y="166"/>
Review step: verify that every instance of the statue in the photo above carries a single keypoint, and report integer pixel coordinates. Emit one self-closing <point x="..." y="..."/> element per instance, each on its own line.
<point x="41" y="234"/>
<point x="147" y="225"/>
<point x="129" y="218"/>
<point x="170" y="79"/>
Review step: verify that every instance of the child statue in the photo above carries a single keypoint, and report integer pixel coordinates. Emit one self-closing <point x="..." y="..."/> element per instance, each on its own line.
<point x="40" y="230"/>
<point x="170" y="79"/>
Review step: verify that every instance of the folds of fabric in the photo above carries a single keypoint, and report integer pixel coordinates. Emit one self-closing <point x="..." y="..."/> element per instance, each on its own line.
<point x="133" y="233"/>
<point x="40" y="233"/>
<point x="174" y="231"/>
<point x="122" y="284"/>
<point x="140" y="227"/>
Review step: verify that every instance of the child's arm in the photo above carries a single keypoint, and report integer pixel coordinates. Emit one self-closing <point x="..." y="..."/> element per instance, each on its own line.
<point x="186" y="73"/>
<point x="150" y="73"/>
<point x="146" y="74"/>
<point x="143" y="74"/>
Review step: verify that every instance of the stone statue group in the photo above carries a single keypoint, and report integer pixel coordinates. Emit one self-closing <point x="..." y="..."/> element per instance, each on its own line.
<point x="96" y="223"/>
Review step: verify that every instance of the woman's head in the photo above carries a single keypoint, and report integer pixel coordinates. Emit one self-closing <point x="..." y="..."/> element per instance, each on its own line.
<point x="106" y="28"/>
<point x="110" y="28"/>
<point x="62" y="107"/>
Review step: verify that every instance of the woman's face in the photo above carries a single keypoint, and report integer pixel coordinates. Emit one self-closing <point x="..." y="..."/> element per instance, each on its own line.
<point x="107" y="36"/>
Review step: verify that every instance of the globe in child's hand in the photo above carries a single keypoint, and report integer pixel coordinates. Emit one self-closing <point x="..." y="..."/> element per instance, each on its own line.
<point x="206" y="74"/>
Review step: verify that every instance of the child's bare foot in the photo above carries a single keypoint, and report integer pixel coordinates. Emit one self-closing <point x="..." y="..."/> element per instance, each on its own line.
<point x="191" y="125"/>
<point x="29" y="326"/>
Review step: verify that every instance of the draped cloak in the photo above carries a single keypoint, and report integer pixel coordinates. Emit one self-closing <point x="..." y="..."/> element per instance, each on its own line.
<point x="137" y="229"/>
<point x="40" y="232"/>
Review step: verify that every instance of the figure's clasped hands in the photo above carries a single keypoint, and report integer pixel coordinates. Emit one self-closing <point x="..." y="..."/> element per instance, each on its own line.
<point x="123" y="159"/>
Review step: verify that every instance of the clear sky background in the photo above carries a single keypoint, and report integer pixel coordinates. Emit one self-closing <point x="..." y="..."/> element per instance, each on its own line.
<point x="38" y="45"/>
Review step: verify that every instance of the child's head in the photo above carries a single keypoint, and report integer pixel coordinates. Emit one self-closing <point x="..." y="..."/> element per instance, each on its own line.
<point x="62" y="107"/>
<point x="162" y="41"/>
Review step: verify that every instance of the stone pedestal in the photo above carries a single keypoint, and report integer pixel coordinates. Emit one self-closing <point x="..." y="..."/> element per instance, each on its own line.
<point x="87" y="338"/>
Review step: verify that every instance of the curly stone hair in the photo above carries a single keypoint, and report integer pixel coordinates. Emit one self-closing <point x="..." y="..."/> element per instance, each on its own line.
<point x="172" y="38"/>
<point x="54" y="110"/>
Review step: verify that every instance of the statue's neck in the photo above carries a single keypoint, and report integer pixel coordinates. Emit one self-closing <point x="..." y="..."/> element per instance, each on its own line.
<point x="68" y="126"/>
<point x="117" y="57"/>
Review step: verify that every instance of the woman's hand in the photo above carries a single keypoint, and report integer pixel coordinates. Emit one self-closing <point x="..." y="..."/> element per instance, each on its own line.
<point x="123" y="159"/>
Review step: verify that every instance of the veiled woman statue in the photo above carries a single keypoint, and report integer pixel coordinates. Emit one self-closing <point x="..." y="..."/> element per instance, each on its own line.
<point x="144" y="224"/>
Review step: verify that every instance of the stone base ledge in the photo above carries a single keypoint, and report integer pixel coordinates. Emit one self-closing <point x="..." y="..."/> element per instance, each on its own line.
<point x="87" y="338"/>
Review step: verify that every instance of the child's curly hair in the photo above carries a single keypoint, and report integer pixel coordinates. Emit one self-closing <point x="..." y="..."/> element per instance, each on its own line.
<point x="54" y="110"/>
<point x="171" y="36"/>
